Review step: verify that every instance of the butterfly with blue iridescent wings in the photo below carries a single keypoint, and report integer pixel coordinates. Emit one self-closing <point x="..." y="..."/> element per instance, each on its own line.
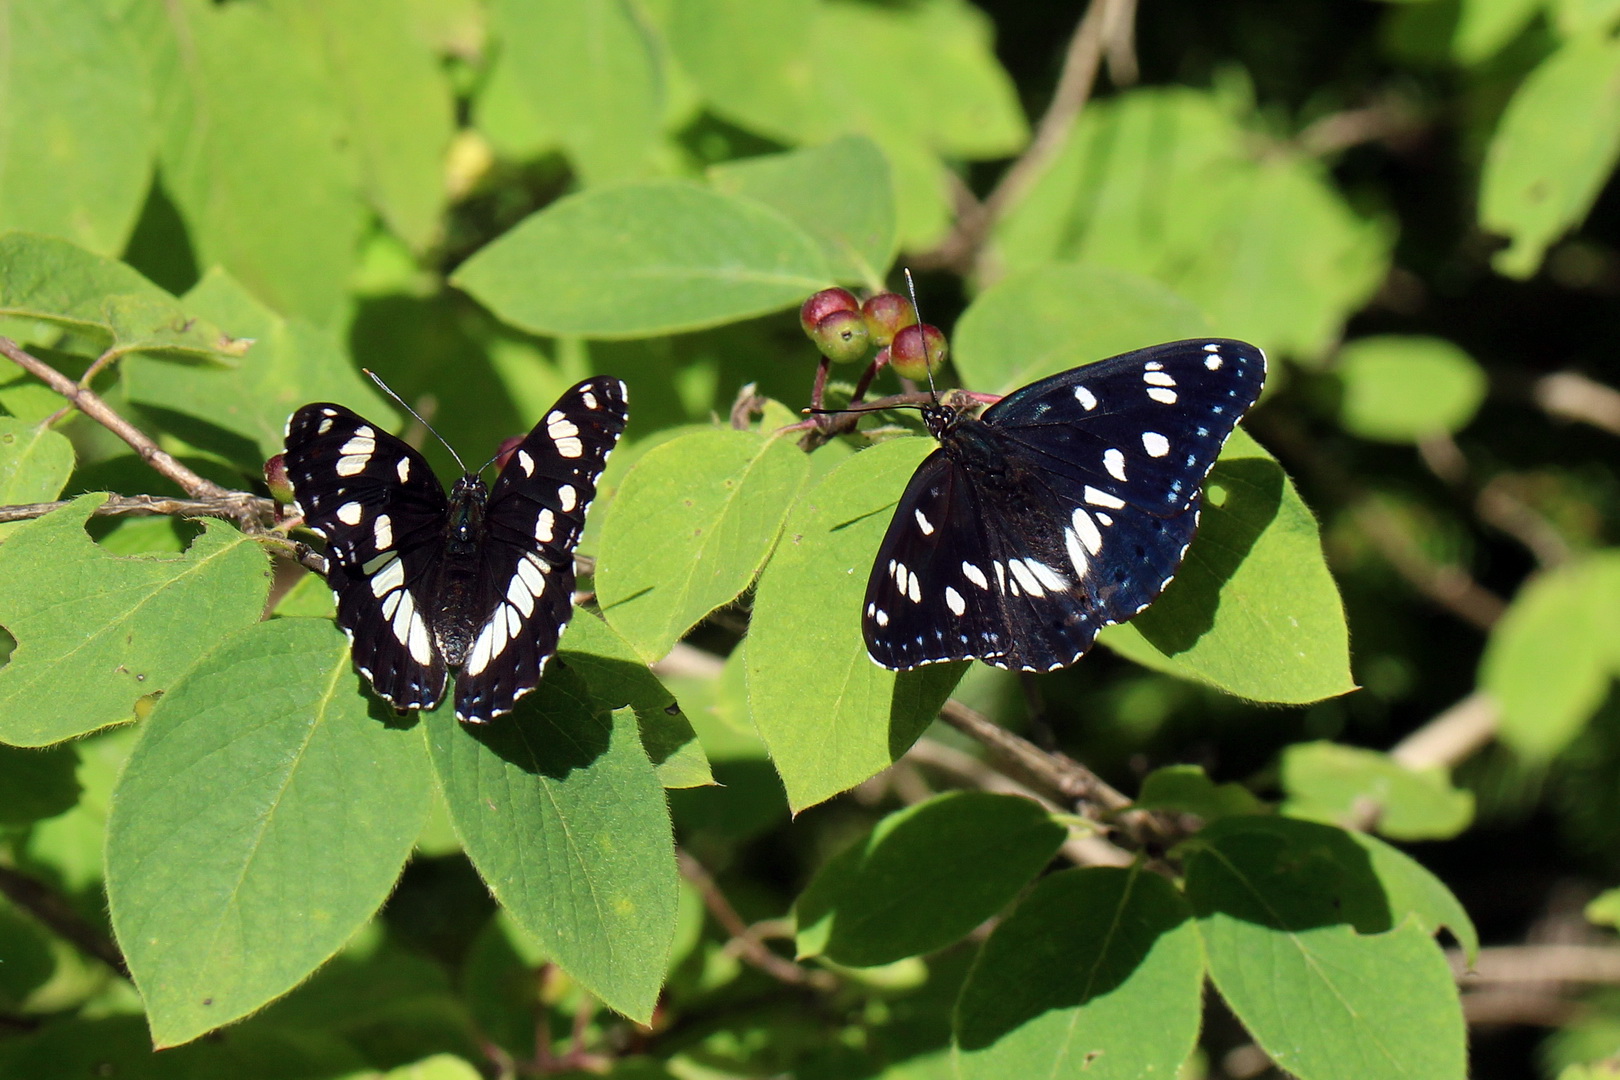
<point x="1065" y="507"/>
<point x="482" y="580"/>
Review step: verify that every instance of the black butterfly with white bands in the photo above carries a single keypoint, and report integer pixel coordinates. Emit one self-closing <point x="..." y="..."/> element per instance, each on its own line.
<point x="1066" y="507"/>
<point x="482" y="580"/>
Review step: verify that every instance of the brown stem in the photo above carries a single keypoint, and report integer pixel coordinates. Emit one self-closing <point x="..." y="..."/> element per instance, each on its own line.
<point x="1451" y="737"/>
<point x="1572" y="396"/>
<point x="50" y="908"/>
<point x="1053" y="771"/>
<point x="743" y="940"/>
<point x="89" y="403"/>
<point x="818" y="389"/>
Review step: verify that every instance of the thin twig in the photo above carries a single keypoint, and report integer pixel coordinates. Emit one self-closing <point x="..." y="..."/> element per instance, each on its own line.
<point x="1448" y="585"/>
<point x="1572" y="396"/>
<point x="747" y="946"/>
<point x="233" y="505"/>
<point x="1055" y="772"/>
<point x="89" y="403"/>
<point x="1521" y="964"/>
<point x="1453" y="736"/>
<point x="51" y="909"/>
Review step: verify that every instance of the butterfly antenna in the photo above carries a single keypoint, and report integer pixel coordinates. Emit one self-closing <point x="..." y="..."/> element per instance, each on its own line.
<point x="374" y="377"/>
<point x="916" y="313"/>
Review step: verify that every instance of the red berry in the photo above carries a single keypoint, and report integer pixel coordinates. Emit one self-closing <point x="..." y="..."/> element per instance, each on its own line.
<point x="824" y="303"/>
<point x="275" y="475"/>
<point x="886" y="314"/>
<point x="842" y="336"/>
<point x="917" y="350"/>
<point x="508" y="448"/>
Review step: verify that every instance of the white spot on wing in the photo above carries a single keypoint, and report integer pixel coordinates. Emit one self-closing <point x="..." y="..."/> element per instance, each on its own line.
<point x="1086" y="398"/>
<point x="1153" y="365"/>
<point x="923" y="523"/>
<point x="567" y="498"/>
<point x="1213" y="363"/>
<point x="1162" y="396"/>
<point x="390" y="577"/>
<point x="1087" y="530"/>
<point x="954" y="601"/>
<point x="324" y="427"/>
<point x="420" y="651"/>
<point x="975" y="575"/>
<point x="353" y="465"/>
<point x="1159" y="378"/>
<point x="1050" y="579"/>
<point x="544" y="527"/>
<point x="570" y="447"/>
<point x="361" y="444"/>
<point x="912" y="590"/>
<point x="403" y="469"/>
<point x="526" y="463"/>
<point x="478" y="657"/>
<point x="1155" y="444"/>
<point x="531" y="577"/>
<point x="1001" y="576"/>
<point x="1114" y="462"/>
<point x="882" y="617"/>
<point x="588" y="399"/>
<point x="383" y="532"/>
<point x="518" y="594"/>
<point x="1076" y="556"/>
<point x="1099" y="497"/>
<point x="349" y="513"/>
<point x="1022" y="575"/>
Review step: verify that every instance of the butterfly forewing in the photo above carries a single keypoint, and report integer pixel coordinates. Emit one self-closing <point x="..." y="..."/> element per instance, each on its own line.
<point x="382" y="512"/>
<point x="1066" y="507"/>
<point x="533" y="521"/>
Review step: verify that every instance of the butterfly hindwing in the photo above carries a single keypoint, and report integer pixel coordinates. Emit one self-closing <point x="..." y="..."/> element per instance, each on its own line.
<point x="1066" y="507"/>
<point x="382" y="512"/>
<point x="533" y="521"/>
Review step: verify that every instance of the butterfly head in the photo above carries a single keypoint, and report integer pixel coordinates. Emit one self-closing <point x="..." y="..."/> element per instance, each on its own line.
<point x="467" y="500"/>
<point x="941" y="419"/>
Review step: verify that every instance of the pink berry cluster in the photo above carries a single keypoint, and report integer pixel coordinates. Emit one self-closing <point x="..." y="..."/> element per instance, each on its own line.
<point x="845" y="330"/>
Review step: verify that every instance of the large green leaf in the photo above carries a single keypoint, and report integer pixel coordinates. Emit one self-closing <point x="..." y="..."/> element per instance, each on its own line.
<point x="1164" y="182"/>
<point x="692" y="523"/>
<point x="1543" y="172"/>
<point x="396" y="103"/>
<point x="1551" y="659"/>
<point x="241" y="414"/>
<point x="1329" y="975"/>
<point x="1402" y="389"/>
<point x="641" y="259"/>
<point x="618" y="677"/>
<point x="829" y="715"/>
<point x="109" y="302"/>
<point x="562" y="813"/>
<point x="1096" y="976"/>
<point x="587" y="67"/>
<point x="96" y="631"/>
<point x="924" y="877"/>
<point x="1039" y="322"/>
<point x="34" y="464"/>
<point x="262" y="819"/>
<point x="840" y="193"/>
<point x="76" y="142"/>
<point x="255" y="157"/>
<point x="1253" y="609"/>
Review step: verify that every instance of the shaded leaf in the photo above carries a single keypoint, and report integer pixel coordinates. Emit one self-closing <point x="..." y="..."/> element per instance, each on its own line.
<point x="35" y="463"/>
<point x="1187" y="789"/>
<point x="924" y="877"/>
<point x="112" y="628"/>
<point x="265" y="784"/>
<point x="1096" y="975"/>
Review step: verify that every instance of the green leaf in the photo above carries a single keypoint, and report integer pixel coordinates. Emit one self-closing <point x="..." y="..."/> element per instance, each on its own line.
<point x="1097" y="976"/>
<point x="924" y="877"/>
<point x="562" y="814"/>
<point x="36" y="784"/>
<point x="1253" y="609"/>
<point x="262" y="819"/>
<point x="1485" y="26"/>
<point x="78" y="134"/>
<point x="1303" y="944"/>
<point x="1402" y="389"/>
<point x="618" y="677"/>
<point x="44" y="278"/>
<point x="750" y="62"/>
<point x="692" y="523"/>
<point x="1551" y="658"/>
<point x="1338" y="784"/>
<point x="829" y="715"/>
<point x="1163" y="182"/>
<point x="241" y="414"/>
<point x="1411" y="891"/>
<point x="35" y="463"/>
<point x="641" y="259"/>
<point x="1187" y="789"/>
<point x="437" y="1067"/>
<point x="1037" y="323"/>
<point x="396" y="101"/>
<point x="1542" y="173"/>
<point x="1604" y="909"/>
<point x="587" y="67"/>
<point x="111" y="629"/>
<point x="255" y="156"/>
<point x="840" y="193"/>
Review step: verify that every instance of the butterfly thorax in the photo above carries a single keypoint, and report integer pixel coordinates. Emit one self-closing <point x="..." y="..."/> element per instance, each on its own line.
<point x="455" y="617"/>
